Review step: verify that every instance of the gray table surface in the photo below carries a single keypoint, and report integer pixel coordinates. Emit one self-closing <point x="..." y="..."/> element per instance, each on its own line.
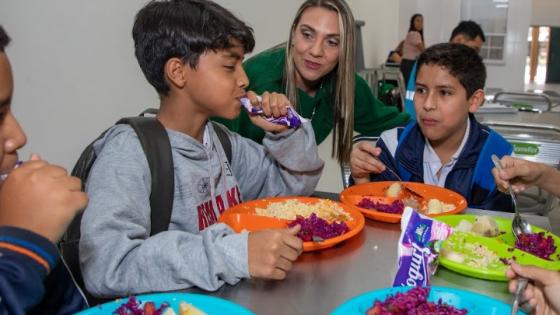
<point x="322" y="280"/>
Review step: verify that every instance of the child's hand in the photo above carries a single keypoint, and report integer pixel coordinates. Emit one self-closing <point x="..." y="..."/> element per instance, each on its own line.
<point x="272" y="252"/>
<point x="543" y="294"/>
<point x="520" y="173"/>
<point x="363" y="161"/>
<point x="42" y="198"/>
<point x="273" y="104"/>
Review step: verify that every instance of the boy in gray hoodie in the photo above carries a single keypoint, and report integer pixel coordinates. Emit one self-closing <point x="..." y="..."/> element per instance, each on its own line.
<point x="191" y="51"/>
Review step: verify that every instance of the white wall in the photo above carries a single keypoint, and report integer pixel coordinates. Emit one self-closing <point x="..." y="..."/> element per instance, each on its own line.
<point x="545" y="12"/>
<point x="75" y="71"/>
<point x="380" y="32"/>
<point x="510" y="75"/>
<point x="270" y="20"/>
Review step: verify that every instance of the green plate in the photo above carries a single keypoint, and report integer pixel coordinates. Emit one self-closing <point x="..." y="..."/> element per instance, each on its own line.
<point x="502" y="245"/>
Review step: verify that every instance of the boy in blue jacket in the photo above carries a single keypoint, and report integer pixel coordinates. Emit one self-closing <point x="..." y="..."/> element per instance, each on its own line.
<point x="37" y="202"/>
<point x="446" y="146"/>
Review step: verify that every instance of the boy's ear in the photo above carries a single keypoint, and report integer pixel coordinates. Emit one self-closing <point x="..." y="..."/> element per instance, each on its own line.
<point x="174" y="72"/>
<point x="476" y="100"/>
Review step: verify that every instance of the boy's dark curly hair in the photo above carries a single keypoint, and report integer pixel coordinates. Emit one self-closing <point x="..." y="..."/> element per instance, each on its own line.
<point x="183" y="29"/>
<point x="461" y="61"/>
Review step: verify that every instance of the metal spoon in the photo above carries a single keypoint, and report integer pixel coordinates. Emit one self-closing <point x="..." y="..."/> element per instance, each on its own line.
<point x="518" y="224"/>
<point x="521" y="285"/>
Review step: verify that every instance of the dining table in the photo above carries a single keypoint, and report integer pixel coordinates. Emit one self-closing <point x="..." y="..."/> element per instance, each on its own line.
<point x="322" y="280"/>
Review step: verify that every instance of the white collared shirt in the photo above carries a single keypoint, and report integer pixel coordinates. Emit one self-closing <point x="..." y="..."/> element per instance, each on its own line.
<point x="433" y="165"/>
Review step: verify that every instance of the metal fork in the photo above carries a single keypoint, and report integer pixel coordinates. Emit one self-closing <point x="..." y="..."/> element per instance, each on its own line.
<point x="403" y="185"/>
<point x="394" y="173"/>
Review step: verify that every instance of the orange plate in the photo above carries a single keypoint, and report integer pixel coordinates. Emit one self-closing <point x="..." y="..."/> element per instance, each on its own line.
<point x="243" y="217"/>
<point x="353" y="195"/>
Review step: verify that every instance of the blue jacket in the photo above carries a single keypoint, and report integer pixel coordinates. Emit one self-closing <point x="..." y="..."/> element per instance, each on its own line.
<point x="471" y="176"/>
<point x="32" y="279"/>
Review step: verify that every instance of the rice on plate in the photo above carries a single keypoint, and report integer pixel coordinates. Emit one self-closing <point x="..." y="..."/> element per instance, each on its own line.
<point x="290" y="209"/>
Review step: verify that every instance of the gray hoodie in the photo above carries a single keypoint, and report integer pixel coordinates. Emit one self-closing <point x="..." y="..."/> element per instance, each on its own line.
<point x="117" y="255"/>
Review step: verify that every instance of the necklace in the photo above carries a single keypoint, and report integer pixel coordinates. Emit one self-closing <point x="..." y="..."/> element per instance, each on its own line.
<point x="318" y="101"/>
<point x="313" y="112"/>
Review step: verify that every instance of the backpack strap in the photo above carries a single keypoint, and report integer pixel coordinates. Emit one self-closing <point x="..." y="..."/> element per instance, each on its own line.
<point x="157" y="148"/>
<point x="224" y="140"/>
<point x="155" y="143"/>
<point x="495" y="144"/>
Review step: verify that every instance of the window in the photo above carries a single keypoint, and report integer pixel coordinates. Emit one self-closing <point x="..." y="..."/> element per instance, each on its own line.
<point x="492" y="17"/>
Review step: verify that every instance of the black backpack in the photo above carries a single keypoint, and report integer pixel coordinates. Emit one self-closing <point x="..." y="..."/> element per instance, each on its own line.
<point x="156" y="146"/>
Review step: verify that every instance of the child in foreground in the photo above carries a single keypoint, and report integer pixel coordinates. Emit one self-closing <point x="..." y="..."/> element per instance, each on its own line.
<point x="37" y="202"/>
<point x="192" y="51"/>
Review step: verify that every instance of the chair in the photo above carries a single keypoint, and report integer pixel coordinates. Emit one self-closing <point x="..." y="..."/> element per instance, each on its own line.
<point x="374" y="76"/>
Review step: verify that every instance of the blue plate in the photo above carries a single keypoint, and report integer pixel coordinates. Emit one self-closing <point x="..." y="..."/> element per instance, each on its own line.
<point x="475" y="303"/>
<point x="208" y="304"/>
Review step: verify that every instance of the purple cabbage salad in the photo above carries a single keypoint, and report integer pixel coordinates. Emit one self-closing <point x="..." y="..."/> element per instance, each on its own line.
<point x="314" y="226"/>
<point x="537" y="244"/>
<point x="396" y="207"/>
<point x="412" y="302"/>
<point x="135" y="307"/>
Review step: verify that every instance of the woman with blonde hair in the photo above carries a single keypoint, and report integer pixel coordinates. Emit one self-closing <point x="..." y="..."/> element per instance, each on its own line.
<point x="315" y="68"/>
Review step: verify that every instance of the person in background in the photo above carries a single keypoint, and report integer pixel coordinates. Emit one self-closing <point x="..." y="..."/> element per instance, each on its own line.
<point x="468" y="33"/>
<point x="197" y="71"/>
<point x="38" y="201"/>
<point x="446" y="147"/>
<point x="315" y="69"/>
<point x="413" y="45"/>
<point x="543" y="292"/>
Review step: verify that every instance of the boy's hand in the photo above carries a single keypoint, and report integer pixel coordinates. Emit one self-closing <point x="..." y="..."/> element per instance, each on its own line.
<point x="273" y="104"/>
<point x="42" y="198"/>
<point x="363" y="161"/>
<point x="272" y="252"/>
<point x="542" y="292"/>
